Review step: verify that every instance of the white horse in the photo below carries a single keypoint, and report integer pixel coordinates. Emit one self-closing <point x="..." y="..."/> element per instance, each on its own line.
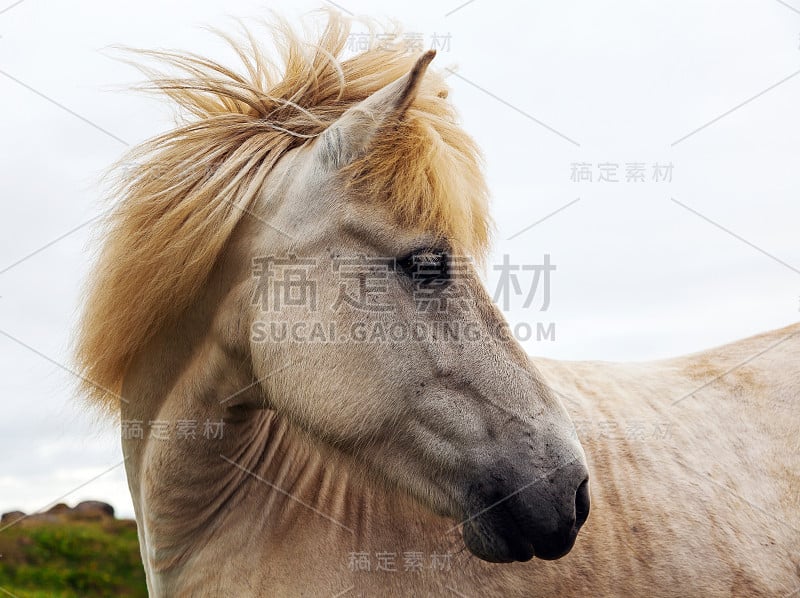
<point x="339" y="198"/>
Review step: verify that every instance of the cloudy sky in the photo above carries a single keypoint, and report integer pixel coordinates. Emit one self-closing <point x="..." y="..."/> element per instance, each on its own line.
<point x="691" y="107"/>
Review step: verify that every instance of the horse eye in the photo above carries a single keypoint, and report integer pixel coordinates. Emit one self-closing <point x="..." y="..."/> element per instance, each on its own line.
<point x="425" y="267"/>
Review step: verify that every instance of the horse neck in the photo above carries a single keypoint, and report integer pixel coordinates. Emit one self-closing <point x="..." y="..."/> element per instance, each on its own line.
<point x="264" y="477"/>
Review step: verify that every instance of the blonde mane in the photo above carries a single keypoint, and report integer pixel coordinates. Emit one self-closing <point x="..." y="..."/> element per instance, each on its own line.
<point x="182" y="193"/>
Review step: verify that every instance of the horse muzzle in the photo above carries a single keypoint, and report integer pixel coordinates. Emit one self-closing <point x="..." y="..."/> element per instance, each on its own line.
<point x="512" y="518"/>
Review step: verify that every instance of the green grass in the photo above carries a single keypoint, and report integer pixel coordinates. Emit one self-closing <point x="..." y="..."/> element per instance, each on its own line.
<point x="68" y="560"/>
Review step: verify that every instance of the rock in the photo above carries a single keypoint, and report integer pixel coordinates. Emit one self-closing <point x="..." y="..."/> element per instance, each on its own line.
<point x="88" y="510"/>
<point x="11" y="516"/>
<point x="93" y="509"/>
<point x="58" y="509"/>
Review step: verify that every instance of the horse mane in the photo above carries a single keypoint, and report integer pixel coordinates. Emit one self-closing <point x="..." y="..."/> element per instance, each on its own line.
<point x="181" y="194"/>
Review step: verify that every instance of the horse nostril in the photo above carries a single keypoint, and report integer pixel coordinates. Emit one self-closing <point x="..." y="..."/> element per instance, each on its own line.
<point x="582" y="503"/>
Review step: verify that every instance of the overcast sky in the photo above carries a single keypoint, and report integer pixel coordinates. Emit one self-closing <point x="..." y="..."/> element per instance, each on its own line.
<point x="552" y="91"/>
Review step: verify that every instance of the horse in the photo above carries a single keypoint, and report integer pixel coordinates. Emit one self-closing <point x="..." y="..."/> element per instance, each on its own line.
<point x="392" y="438"/>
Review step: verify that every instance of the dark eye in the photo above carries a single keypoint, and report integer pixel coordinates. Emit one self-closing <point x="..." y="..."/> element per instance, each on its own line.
<point x="425" y="267"/>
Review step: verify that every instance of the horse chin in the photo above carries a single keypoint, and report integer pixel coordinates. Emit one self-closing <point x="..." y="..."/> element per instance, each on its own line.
<point x="495" y="547"/>
<point x="508" y="545"/>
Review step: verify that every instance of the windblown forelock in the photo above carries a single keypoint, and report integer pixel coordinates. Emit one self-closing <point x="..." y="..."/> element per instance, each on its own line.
<point x="181" y="194"/>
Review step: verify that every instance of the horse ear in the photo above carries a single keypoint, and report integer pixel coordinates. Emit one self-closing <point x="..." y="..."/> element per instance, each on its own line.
<point x="350" y="135"/>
